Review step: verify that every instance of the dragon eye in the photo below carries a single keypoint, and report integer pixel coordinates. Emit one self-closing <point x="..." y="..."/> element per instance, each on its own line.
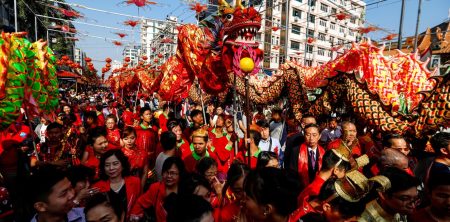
<point x="229" y="17"/>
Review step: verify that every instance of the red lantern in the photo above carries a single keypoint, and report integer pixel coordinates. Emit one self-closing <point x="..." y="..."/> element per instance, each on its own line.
<point x="108" y="60"/>
<point x="155" y="60"/>
<point x="160" y="55"/>
<point x="310" y="40"/>
<point x="153" y="49"/>
<point x="125" y="65"/>
<point x="87" y="59"/>
<point x="107" y="65"/>
<point x="65" y="57"/>
<point x="144" y="58"/>
<point x="127" y="59"/>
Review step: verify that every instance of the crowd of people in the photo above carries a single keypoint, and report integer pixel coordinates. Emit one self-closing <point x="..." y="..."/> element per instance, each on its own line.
<point x="104" y="158"/>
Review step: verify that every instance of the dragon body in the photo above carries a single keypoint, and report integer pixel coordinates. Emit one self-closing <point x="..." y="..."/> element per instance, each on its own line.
<point x="395" y="94"/>
<point x="27" y="78"/>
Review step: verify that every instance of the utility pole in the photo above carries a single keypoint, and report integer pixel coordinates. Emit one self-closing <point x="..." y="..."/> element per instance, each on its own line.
<point x="417" y="26"/>
<point x="307" y="28"/>
<point x="399" y="41"/>
<point x="16" y="24"/>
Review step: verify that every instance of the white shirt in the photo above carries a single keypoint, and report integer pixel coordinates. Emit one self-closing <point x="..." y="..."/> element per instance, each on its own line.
<point x="42" y="131"/>
<point x="264" y="145"/>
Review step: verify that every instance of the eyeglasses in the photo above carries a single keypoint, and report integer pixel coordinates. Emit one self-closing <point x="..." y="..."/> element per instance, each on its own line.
<point x="210" y="174"/>
<point x="171" y="173"/>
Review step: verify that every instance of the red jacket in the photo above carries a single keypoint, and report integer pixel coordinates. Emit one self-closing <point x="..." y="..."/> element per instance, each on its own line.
<point x="147" y="140"/>
<point x="132" y="187"/>
<point x="304" y="207"/>
<point x="243" y="157"/>
<point x="154" y="197"/>
<point x="163" y="122"/>
<point x="191" y="161"/>
<point x="113" y="137"/>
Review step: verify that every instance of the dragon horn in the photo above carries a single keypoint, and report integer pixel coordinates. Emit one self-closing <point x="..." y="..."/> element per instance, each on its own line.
<point x="239" y="4"/>
<point x="224" y="3"/>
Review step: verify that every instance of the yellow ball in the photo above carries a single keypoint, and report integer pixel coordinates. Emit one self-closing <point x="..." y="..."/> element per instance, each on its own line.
<point x="247" y="64"/>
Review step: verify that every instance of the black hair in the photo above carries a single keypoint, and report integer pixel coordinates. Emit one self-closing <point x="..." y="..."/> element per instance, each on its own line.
<point x="165" y="106"/>
<point x="273" y="186"/>
<point x="168" y="140"/>
<point x="43" y="181"/>
<point x="112" y="116"/>
<point x="94" y="134"/>
<point x="194" y="113"/>
<point x="99" y="107"/>
<point x="256" y="136"/>
<point x="79" y="173"/>
<point x="191" y="182"/>
<point x="91" y="115"/>
<point x="126" y="168"/>
<point x="173" y="160"/>
<point x="277" y="110"/>
<point x="187" y="208"/>
<point x="312" y="125"/>
<point x="127" y="131"/>
<point x="237" y="171"/>
<point x="330" y="159"/>
<point x="143" y="109"/>
<point x="400" y="180"/>
<point x="54" y="125"/>
<point x="439" y="141"/>
<point x="204" y="164"/>
<point x="441" y="178"/>
<point x="172" y="123"/>
<point x="96" y="200"/>
<point x="346" y="208"/>
<point x="387" y="139"/>
<point x="263" y="123"/>
<point x="264" y="157"/>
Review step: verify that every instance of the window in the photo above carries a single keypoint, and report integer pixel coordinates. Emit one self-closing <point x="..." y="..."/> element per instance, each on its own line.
<point x="329" y="53"/>
<point x="299" y="0"/>
<point x="333" y="11"/>
<point x="353" y="20"/>
<point x="310" y="33"/>
<point x="309" y="48"/>
<point x="312" y="2"/>
<point x="351" y="33"/>
<point x="333" y="26"/>
<point x="323" y="22"/>
<point x="321" y="36"/>
<point x="278" y="41"/>
<point x="321" y="51"/>
<point x="331" y="39"/>
<point x="297" y="13"/>
<point x="296" y="29"/>
<point x="273" y="41"/>
<point x="295" y="45"/>
<point x="258" y="37"/>
<point x="340" y="41"/>
<point x="323" y="7"/>
<point x="309" y="62"/>
<point x="341" y="29"/>
<point x="312" y="18"/>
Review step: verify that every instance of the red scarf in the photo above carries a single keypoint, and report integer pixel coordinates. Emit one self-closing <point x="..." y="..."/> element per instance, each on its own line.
<point x="303" y="162"/>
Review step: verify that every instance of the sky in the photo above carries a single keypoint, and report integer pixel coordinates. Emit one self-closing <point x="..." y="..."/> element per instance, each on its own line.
<point x="385" y="14"/>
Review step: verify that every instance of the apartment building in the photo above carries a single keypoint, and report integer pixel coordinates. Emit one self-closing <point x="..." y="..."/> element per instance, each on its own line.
<point x="159" y="38"/>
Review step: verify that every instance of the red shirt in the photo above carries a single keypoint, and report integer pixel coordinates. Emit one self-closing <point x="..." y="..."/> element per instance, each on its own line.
<point x="184" y="148"/>
<point x="137" y="157"/>
<point x="227" y="213"/>
<point x="127" y="118"/>
<point x="423" y="215"/>
<point x="113" y="137"/>
<point x="100" y="119"/>
<point x="154" y="197"/>
<point x="243" y="156"/>
<point x="191" y="161"/>
<point x="147" y="140"/>
<point x="92" y="162"/>
<point x="356" y="149"/>
<point x="304" y="207"/>
<point x="163" y="122"/>
<point x="223" y="150"/>
<point x="132" y="188"/>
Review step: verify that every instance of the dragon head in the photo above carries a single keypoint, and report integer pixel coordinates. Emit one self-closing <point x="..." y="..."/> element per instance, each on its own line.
<point x="240" y="27"/>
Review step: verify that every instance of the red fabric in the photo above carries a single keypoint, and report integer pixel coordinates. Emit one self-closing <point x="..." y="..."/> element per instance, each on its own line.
<point x="92" y="162"/>
<point x="132" y="187"/>
<point x="224" y="156"/>
<point x="13" y="136"/>
<point x="137" y="157"/>
<point x="356" y="149"/>
<point x="162" y="122"/>
<point x="100" y="119"/>
<point x="422" y="216"/>
<point x="304" y="207"/>
<point x="227" y="213"/>
<point x="153" y="197"/>
<point x="78" y="122"/>
<point x="127" y="118"/>
<point x="113" y="137"/>
<point x="303" y="162"/>
<point x="147" y="140"/>
<point x="185" y="149"/>
<point x="243" y="157"/>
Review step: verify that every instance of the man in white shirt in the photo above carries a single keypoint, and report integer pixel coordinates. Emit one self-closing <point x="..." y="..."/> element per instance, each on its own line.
<point x="268" y="143"/>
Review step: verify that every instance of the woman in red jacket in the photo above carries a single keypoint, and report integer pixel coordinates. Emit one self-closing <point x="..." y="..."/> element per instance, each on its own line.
<point x="112" y="132"/>
<point x="172" y="171"/>
<point x="122" y="189"/>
